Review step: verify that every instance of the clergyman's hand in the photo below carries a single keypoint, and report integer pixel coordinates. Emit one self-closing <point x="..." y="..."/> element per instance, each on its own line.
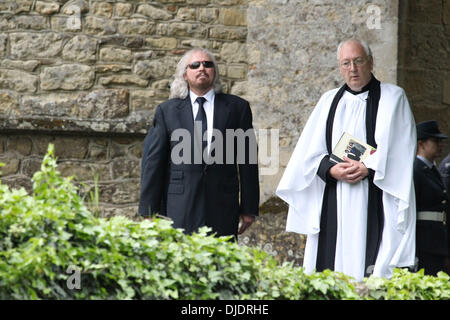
<point x="350" y="171"/>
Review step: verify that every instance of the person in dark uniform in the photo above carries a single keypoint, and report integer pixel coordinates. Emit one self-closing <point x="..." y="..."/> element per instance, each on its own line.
<point x="432" y="202"/>
<point x="444" y="170"/>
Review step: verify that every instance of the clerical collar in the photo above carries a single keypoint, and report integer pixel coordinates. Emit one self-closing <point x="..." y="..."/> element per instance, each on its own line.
<point x="364" y="89"/>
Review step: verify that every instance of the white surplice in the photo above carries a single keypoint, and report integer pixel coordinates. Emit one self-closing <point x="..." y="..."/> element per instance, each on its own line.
<point x="303" y="189"/>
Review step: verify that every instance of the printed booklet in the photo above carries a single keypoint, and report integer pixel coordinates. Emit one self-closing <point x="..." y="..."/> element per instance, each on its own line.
<point x="351" y="148"/>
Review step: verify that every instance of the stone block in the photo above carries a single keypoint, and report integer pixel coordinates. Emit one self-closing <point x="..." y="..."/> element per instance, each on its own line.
<point x="48" y="105"/>
<point x="31" y="22"/>
<point x="70" y="147"/>
<point x="237" y="71"/>
<point x="67" y="77"/>
<point x="100" y="26"/>
<point x="19" y="144"/>
<point x="141" y="100"/>
<point x="103" y="9"/>
<point x="22" y="6"/>
<point x="112" y="68"/>
<point x="30" y="166"/>
<point x="153" y="12"/>
<point x="47" y="8"/>
<point x="84" y="171"/>
<point x="233" y="17"/>
<point x="80" y="48"/>
<point x="178" y="29"/>
<point x="228" y="33"/>
<point x="208" y="15"/>
<point x="123" y="9"/>
<point x="104" y="104"/>
<point x="126" y="192"/>
<point x="116" y="55"/>
<point x="18" y="181"/>
<point x="234" y="52"/>
<point x="11" y="165"/>
<point x="35" y="45"/>
<point x="9" y="102"/>
<point x="18" y="80"/>
<point x="162" y="43"/>
<point x="136" y="26"/>
<point x="123" y="80"/>
<point x="28" y="66"/>
<point x="150" y="69"/>
<point x="75" y="7"/>
<point x="124" y="168"/>
<point x="186" y="14"/>
<point x="66" y="23"/>
<point x="127" y="41"/>
<point x="196" y="43"/>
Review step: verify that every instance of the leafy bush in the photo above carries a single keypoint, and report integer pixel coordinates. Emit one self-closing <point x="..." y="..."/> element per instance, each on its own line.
<point x="405" y="285"/>
<point x="50" y="237"/>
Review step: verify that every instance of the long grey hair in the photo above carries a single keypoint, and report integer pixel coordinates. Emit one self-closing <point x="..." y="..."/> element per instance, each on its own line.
<point x="179" y="87"/>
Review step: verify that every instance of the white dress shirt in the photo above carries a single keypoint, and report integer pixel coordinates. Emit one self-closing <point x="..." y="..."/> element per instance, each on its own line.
<point x="208" y="105"/>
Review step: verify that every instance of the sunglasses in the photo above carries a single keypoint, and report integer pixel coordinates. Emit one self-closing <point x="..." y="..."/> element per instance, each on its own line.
<point x="196" y="64"/>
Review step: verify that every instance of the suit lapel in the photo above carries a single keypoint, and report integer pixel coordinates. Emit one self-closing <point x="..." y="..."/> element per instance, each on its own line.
<point x="185" y="115"/>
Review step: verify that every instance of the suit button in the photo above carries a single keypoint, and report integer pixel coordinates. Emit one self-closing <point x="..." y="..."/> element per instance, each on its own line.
<point x="444" y="201"/>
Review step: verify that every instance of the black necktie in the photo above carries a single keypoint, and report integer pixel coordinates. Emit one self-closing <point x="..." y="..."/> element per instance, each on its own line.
<point x="201" y="116"/>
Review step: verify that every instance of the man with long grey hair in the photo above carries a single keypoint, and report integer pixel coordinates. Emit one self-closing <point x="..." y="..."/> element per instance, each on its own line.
<point x="359" y="215"/>
<point x="193" y="170"/>
<point x="180" y="87"/>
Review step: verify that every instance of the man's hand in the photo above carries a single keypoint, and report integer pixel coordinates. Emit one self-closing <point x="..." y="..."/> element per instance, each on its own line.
<point x="350" y="171"/>
<point x="246" y="221"/>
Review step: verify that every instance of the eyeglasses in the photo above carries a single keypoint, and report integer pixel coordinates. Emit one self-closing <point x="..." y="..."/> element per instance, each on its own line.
<point x="196" y="64"/>
<point x="358" y="62"/>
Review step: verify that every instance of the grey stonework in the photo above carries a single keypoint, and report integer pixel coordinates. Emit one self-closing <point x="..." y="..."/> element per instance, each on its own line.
<point x="88" y="75"/>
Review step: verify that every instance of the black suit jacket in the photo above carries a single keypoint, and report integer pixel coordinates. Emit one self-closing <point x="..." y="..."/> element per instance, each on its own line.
<point x="431" y="195"/>
<point x="195" y="194"/>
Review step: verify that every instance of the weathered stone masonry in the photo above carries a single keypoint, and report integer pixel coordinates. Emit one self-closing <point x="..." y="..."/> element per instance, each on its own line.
<point x="87" y="75"/>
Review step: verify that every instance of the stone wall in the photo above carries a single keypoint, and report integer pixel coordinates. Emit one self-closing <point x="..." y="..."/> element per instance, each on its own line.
<point x="424" y="64"/>
<point x="103" y="66"/>
<point x="87" y="76"/>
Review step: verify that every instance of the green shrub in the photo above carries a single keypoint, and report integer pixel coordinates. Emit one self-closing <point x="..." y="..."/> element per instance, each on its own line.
<point x="405" y="285"/>
<point x="50" y="243"/>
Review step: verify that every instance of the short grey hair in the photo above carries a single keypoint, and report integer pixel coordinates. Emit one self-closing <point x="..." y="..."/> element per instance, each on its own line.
<point x="364" y="44"/>
<point x="179" y="87"/>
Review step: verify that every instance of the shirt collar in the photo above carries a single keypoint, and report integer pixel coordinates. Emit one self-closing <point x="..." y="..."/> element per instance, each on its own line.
<point x="208" y="96"/>
<point x="426" y="161"/>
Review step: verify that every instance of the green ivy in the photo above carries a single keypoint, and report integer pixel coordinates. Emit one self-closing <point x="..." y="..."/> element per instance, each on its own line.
<point x="50" y="238"/>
